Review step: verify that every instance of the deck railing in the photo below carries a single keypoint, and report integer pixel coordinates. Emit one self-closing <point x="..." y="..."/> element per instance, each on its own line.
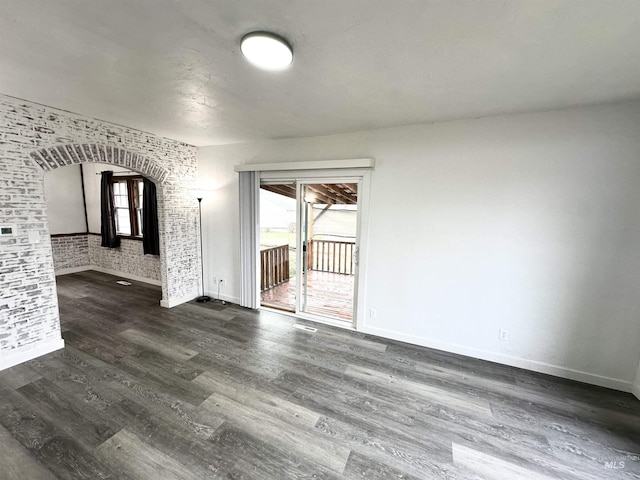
<point x="274" y="267"/>
<point x="324" y="256"/>
<point x="331" y="256"/>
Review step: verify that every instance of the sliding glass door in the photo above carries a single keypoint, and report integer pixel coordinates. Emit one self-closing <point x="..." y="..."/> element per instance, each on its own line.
<point x="328" y="242"/>
<point x="278" y="245"/>
<point x="309" y="261"/>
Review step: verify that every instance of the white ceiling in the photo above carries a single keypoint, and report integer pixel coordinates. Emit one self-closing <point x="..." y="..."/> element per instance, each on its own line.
<point x="174" y="68"/>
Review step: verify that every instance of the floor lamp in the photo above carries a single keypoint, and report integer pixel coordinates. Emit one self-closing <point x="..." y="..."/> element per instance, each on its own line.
<point x="202" y="298"/>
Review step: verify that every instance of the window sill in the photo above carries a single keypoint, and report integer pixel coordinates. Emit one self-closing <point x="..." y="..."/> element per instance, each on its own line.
<point x="125" y="237"/>
<point x="128" y="237"/>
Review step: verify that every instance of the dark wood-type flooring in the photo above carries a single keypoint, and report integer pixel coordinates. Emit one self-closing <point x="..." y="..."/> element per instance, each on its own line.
<point x="212" y="391"/>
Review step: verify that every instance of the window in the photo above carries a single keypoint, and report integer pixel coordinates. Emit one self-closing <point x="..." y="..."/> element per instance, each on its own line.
<point x="127" y="193"/>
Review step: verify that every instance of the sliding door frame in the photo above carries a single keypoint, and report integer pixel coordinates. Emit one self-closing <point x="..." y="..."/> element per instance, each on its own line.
<point x="361" y="176"/>
<point x="302" y="233"/>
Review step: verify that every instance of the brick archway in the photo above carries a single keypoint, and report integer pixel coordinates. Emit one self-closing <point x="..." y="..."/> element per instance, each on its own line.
<point x="61" y="155"/>
<point x="36" y="139"/>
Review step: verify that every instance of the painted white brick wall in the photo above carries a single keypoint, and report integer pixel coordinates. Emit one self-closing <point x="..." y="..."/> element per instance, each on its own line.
<point x="129" y="259"/>
<point x="70" y="251"/>
<point x="35" y="139"/>
<point x="84" y="251"/>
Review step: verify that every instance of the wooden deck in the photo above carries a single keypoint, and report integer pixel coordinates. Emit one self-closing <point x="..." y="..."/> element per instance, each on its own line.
<point x="329" y="295"/>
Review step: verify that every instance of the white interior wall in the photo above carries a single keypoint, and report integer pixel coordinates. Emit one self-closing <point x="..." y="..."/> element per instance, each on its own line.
<point x="636" y="384"/>
<point x="65" y="206"/>
<point x="92" y="191"/>
<point x="220" y="222"/>
<point x="528" y="223"/>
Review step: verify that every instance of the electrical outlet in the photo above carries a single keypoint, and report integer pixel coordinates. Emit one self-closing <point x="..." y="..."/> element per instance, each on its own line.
<point x="223" y="282"/>
<point x="503" y="335"/>
<point x="214" y="280"/>
<point x="373" y="313"/>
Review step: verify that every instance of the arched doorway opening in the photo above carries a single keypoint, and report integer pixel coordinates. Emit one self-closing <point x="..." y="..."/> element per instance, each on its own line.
<point x="58" y="156"/>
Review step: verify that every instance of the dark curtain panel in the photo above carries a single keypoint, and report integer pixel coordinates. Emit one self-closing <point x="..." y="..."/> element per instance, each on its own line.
<point x="107" y="210"/>
<point x="150" y="237"/>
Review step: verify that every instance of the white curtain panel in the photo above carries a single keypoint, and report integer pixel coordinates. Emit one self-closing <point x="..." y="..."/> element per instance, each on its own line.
<point x="249" y="231"/>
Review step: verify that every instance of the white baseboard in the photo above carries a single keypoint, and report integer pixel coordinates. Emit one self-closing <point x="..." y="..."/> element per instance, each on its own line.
<point x="130" y="276"/>
<point x="174" y="302"/>
<point x="226" y="298"/>
<point x="116" y="273"/>
<point x="29" y="352"/>
<point x="635" y="389"/>
<point x="533" y="365"/>
<point x="170" y="303"/>
<point x="67" y="271"/>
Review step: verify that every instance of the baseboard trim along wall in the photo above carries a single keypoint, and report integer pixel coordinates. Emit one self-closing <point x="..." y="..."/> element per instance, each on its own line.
<point x="29" y="352"/>
<point x="532" y="365"/>
<point x="130" y="276"/>
<point x="67" y="271"/>
<point x="635" y="387"/>
<point x="226" y="298"/>
<point x="174" y="302"/>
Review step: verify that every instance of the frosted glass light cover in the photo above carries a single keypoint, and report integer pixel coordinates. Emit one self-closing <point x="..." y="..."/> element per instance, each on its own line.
<point x="266" y="51"/>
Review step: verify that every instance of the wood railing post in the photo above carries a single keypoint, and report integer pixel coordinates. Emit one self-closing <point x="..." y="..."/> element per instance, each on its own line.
<point x="323" y="255"/>
<point x="330" y="256"/>
<point x="274" y="267"/>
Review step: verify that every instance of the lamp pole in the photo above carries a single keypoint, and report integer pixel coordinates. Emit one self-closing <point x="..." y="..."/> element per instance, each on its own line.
<point x="202" y="298"/>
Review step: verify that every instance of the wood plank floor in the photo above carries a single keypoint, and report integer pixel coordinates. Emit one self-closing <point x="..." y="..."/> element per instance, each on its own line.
<point x="212" y="391"/>
<point x="328" y="295"/>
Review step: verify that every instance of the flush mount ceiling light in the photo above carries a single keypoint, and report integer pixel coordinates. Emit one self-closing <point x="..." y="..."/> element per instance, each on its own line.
<point x="266" y="50"/>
